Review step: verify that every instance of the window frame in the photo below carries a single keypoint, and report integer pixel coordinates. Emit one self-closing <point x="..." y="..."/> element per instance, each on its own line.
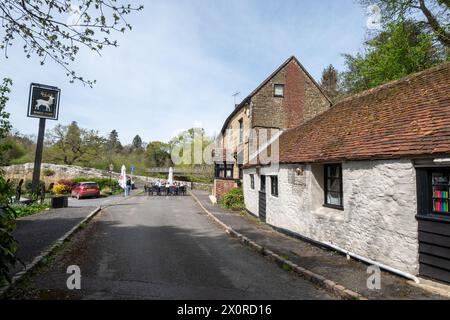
<point x="431" y="198"/>
<point x="224" y="167"/>
<point x="275" y="90"/>
<point x="274" y="191"/>
<point x="262" y="181"/>
<point x="341" y="186"/>
<point x="241" y="130"/>
<point x="252" y="181"/>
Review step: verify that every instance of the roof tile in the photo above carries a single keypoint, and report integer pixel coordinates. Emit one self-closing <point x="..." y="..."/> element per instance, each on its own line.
<point x="408" y="117"/>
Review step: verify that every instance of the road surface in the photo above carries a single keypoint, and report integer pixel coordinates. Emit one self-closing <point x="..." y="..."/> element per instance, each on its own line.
<point x="97" y="202"/>
<point x="166" y="248"/>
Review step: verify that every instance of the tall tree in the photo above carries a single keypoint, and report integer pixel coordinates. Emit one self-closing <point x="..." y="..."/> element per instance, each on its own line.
<point x="432" y="14"/>
<point x="136" y="145"/>
<point x="158" y="154"/>
<point x="57" y="29"/>
<point x="113" y="143"/>
<point x="188" y="151"/>
<point x="330" y="82"/>
<point x="403" y="48"/>
<point x="73" y="145"/>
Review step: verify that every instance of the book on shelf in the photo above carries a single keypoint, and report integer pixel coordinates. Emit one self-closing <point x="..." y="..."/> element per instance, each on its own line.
<point x="441" y="206"/>
<point x="441" y="194"/>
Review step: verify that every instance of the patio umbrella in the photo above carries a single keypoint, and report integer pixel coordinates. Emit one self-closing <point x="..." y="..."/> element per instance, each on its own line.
<point x="170" y="175"/>
<point x="123" y="177"/>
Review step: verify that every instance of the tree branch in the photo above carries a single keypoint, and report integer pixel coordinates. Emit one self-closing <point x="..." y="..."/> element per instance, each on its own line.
<point x="441" y="34"/>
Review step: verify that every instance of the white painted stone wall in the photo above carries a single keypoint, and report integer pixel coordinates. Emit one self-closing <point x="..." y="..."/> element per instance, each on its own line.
<point x="378" y="221"/>
<point x="251" y="196"/>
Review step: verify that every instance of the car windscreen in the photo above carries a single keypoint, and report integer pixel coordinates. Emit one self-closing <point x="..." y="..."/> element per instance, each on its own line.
<point x="90" y="185"/>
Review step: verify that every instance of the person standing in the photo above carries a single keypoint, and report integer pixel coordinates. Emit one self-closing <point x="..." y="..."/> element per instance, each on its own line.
<point x="128" y="187"/>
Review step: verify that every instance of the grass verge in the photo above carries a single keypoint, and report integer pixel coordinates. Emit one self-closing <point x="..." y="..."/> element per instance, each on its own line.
<point x="24" y="211"/>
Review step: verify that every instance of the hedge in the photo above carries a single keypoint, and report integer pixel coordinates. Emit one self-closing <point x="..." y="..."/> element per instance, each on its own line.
<point x="233" y="200"/>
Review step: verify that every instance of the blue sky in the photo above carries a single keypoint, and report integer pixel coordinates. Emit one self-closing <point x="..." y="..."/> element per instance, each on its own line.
<point x="184" y="59"/>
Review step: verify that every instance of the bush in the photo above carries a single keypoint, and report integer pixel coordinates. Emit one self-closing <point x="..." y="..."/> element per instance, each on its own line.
<point x="233" y="200"/>
<point x="11" y="150"/>
<point x="48" y="173"/>
<point x="68" y="184"/>
<point x="29" y="157"/>
<point x="23" y="211"/>
<point x="106" y="191"/>
<point x="59" y="189"/>
<point x="7" y="226"/>
<point x="28" y="184"/>
<point x="9" y="245"/>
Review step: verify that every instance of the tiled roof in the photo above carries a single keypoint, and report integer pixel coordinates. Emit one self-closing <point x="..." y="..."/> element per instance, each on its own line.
<point x="405" y="118"/>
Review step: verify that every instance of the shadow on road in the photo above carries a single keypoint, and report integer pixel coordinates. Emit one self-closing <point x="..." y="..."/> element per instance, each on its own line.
<point x="132" y="260"/>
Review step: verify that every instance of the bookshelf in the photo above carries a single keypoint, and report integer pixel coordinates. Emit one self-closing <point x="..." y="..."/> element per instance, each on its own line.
<point x="440" y="183"/>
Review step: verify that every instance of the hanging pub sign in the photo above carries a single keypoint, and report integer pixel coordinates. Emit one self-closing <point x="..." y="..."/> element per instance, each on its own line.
<point x="43" y="102"/>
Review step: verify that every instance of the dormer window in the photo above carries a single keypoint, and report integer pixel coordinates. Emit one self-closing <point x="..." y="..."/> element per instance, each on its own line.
<point x="279" y="90"/>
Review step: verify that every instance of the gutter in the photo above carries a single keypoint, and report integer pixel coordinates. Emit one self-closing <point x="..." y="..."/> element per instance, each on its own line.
<point x="371" y="262"/>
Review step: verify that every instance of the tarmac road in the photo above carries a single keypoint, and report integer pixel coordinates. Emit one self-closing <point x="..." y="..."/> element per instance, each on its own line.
<point x="166" y="248"/>
<point x="98" y="202"/>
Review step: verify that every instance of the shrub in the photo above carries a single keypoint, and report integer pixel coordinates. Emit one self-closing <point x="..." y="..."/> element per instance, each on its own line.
<point x="28" y="183"/>
<point x="8" y="243"/>
<point x="7" y="226"/>
<point x="233" y="200"/>
<point x="68" y="184"/>
<point x="59" y="189"/>
<point x="106" y="191"/>
<point x="23" y="211"/>
<point x="48" y="173"/>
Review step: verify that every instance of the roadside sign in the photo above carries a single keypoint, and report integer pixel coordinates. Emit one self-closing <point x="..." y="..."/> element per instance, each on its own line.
<point x="43" y="102"/>
<point x="132" y="168"/>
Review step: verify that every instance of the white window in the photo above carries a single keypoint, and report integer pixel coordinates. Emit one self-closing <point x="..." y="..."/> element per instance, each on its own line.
<point x="279" y="90"/>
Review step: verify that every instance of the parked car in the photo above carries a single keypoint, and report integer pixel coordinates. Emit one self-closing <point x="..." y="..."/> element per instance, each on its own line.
<point x="86" y="189"/>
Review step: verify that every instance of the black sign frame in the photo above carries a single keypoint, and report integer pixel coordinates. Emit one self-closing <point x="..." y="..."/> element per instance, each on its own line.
<point x="36" y="110"/>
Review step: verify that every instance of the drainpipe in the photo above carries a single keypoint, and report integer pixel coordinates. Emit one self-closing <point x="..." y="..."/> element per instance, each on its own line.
<point x="371" y="262"/>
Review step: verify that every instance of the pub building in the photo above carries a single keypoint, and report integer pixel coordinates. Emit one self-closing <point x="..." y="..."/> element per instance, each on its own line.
<point x="369" y="176"/>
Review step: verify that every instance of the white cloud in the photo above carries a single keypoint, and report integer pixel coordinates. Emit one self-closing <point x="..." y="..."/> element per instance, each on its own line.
<point x="183" y="61"/>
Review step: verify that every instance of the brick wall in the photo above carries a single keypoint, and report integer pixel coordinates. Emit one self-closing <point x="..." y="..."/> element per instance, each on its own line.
<point x="222" y="187"/>
<point x="294" y="98"/>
